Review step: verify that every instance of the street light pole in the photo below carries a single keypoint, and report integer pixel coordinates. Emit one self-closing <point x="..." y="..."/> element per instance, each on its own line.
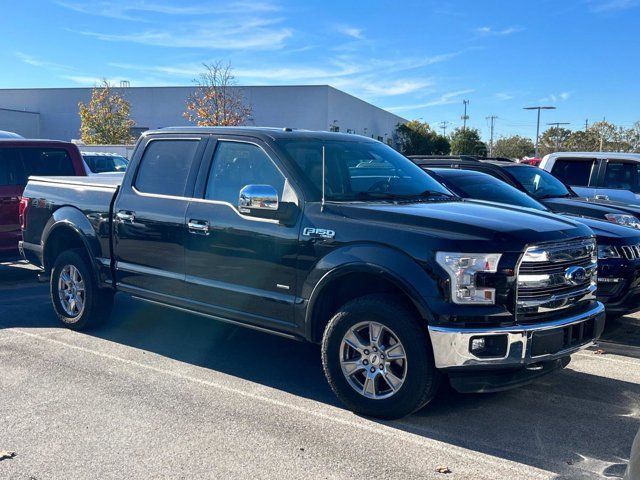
<point x="538" y="123"/>
<point x="557" y="125"/>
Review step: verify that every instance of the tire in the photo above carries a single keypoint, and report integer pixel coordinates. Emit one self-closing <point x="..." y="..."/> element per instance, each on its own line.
<point x="420" y="378"/>
<point x="92" y="305"/>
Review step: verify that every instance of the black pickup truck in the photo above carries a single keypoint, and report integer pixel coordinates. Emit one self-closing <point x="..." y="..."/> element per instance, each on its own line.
<point x="331" y="238"/>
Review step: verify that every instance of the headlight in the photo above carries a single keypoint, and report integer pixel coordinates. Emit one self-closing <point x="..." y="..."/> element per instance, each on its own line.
<point x="623" y="219"/>
<point x="608" y="251"/>
<point x="462" y="269"/>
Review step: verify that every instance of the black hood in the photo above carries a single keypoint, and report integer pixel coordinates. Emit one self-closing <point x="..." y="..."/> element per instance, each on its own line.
<point x="583" y="207"/>
<point x="478" y="225"/>
<point x="631" y="208"/>
<point x="608" y="233"/>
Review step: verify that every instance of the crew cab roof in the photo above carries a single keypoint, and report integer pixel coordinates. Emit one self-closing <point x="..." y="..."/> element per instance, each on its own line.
<point x="264" y="133"/>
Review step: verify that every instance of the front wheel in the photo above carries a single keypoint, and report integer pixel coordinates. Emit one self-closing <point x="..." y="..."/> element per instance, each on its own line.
<point x="77" y="299"/>
<point x="378" y="359"/>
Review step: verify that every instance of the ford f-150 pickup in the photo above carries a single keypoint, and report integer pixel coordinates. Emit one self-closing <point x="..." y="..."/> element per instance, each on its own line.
<point x="331" y="238"/>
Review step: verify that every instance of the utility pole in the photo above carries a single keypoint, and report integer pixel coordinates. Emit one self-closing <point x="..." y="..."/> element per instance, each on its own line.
<point x="557" y="125"/>
<point x="443" y="126"/>
<point x="493" y="120"/>
<point x="586" y="124"/>
<point x="464" y="117"/>
<point x="538" y="124"/>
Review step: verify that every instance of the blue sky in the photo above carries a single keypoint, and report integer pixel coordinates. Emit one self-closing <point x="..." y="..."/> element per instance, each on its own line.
<point x="419" y="59"/>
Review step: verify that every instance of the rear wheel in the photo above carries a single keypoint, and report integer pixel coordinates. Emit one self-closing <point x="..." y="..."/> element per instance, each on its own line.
<point x="378" y="359"/>
<point x="77" y="299"/>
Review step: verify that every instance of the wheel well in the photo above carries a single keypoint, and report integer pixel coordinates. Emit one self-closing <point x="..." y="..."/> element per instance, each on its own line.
<point x="345" y="288"/>
<point x="61" y="239"/>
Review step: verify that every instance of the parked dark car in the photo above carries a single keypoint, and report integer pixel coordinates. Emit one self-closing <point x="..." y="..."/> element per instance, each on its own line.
<point x="330" y="238"/>
<point x="618" y="246"/>
<point x="18" y="160"/>
<point x="542" y="186"/>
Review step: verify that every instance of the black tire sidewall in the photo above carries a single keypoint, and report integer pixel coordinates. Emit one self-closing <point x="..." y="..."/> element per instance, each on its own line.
<point x="422" y="378"/>
<point x="76" y="258"/>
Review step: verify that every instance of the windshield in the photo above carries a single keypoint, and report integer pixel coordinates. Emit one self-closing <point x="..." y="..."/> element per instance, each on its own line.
<point x="106" y="163"/>
<point x="539" y="183"/>
<point x="481" y="186"/>
<point x="360" y="171"/>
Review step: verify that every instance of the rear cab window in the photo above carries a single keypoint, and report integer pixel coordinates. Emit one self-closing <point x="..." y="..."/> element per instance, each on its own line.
<point x="17" y="164"/>
<point x="574" y="171"/>
<point x="165" y="166"/>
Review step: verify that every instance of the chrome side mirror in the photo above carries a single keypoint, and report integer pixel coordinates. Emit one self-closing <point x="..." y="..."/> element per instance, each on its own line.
<point x="258" y="200"/>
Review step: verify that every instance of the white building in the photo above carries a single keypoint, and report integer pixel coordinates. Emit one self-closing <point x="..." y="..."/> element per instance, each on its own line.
<point x="53" y="112"/>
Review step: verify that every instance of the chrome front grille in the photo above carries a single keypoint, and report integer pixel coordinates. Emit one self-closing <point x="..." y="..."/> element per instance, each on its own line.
<point x="630" y="252"/>
<point x="554" y="277"/>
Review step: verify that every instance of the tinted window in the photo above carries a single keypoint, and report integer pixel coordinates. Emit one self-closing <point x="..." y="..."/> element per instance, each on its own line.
<point x="485" y="187"/>
<point x="237" y="164"/>
<point x="11" y="167"/>
<point x="621" y="175"/>
<point x="359" y="170"/>
<point x="23" y="162"/>
<point x="105" y="163"/>
<point x="539" y="183"/>
<point x="573" y="172"/>
<point x="164" y="168"/>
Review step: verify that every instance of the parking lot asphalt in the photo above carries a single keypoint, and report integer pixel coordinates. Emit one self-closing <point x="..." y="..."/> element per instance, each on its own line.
<point x="160" y="394"/>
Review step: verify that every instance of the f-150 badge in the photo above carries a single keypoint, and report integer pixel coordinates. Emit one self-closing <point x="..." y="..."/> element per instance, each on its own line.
<point x="318" y="232"/>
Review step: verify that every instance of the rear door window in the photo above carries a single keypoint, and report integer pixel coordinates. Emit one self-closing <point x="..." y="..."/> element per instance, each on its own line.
<point x="573" y="171"/>
<point x="621" y="176"/>
<point x="165" y="166"/>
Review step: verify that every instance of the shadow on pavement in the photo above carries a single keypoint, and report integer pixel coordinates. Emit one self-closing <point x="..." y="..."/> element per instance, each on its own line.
<point x="568" y="421"/>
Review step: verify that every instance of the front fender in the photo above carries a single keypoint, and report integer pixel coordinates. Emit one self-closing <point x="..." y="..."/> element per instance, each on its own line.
<point x="387" y="262"/>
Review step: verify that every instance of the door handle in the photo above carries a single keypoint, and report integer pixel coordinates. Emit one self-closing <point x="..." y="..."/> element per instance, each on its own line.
<point x="601" y="197"/>
<point x="126" y="216"/>
<point x="198" y="227"/>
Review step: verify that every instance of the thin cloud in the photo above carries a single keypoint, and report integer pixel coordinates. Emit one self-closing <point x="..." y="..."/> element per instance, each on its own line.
<point x="350" y="31"/>
<point x="444" y="99"/>
<point x="38" y="62"/>
<point x="504" y="96"/>
<point x="555" y="98"/>
<point x="221" y="34"/>
<point x="602" y="6"/>
<point x="490" y="31"/>
<point x="136" y="10"/>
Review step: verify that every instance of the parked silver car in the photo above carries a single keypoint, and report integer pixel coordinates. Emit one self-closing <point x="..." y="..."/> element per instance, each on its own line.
<point x="601" y="175"/>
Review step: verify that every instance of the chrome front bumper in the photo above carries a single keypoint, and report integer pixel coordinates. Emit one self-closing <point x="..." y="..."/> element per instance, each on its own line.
<point x="452" y="346"/>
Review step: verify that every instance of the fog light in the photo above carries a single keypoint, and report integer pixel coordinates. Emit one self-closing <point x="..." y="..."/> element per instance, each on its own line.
<point x="609" y="280"/>
<point x="489" y="346"/>
<point x="477" y="344"/>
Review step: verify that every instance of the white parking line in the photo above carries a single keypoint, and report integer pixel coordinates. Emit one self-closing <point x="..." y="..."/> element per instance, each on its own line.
<point x="377" y="428"/>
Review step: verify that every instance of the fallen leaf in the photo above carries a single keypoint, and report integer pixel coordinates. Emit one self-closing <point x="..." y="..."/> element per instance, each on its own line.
<point x="599" y="351"/>
<point x="443" y="469"/>
<point x="5" y="455"/>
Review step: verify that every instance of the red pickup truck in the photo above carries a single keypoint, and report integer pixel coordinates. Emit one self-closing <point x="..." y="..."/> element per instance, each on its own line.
<point x="19" y="159"/>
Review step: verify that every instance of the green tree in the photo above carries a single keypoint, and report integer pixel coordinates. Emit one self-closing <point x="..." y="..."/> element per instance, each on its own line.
<point x="632" y="137"/>
<point x="552" y="140"/>
<point x="582" y="141"/>
<point x="467" y="142"/>
<point x="515" y="147"/>
<point x="105" y="118"/>
<point x="417" y="138"/>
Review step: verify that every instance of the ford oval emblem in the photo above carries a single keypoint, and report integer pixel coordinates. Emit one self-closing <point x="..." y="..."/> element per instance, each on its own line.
<point x="575" y="275"/>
